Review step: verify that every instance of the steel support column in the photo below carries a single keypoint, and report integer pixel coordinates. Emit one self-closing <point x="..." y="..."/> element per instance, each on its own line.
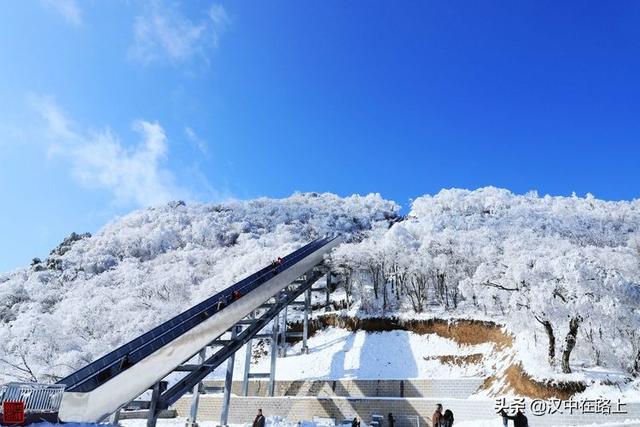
<point x="114" y="419"/>
<point x="283" y="332"/>
<point x="152" y="416"/>
<point x="305" y="323"/>
<point x="328" y="292"/>
<point x="228" y="382"/>
<point x="195" y="398"/>
<point x="247" y="363"/>
<point x="274" y="354"/>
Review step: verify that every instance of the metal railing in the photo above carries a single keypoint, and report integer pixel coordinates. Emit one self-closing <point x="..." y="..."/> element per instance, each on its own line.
<point x="401" y="420"/>
<point x="407" y="420"/>
<point x="37" y="398"/>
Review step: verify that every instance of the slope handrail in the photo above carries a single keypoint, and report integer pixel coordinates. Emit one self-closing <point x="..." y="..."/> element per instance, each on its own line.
<point x="130" y="353"/>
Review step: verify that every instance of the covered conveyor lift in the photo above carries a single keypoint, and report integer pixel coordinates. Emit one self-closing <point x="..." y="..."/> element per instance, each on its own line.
<point x="101" y="388"/>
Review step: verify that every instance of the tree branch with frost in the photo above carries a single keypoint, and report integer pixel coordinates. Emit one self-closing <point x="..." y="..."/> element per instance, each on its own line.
<point x="557" y="294"/>
<point x="498" y="286"/>
<point x="24" y="368"/>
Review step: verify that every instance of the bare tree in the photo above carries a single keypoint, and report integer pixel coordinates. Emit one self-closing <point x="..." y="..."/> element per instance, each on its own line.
<point x="417" y="290"/>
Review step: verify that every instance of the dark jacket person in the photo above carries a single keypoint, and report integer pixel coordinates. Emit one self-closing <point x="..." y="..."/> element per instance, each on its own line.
<point x="447" y="418"/>
<point x="437" y="417"/>
<point x="519" y="420"/>
<point x="259" y="420"/>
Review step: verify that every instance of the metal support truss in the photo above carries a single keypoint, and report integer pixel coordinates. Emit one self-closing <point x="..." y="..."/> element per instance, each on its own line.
<point x="252" y="328"/>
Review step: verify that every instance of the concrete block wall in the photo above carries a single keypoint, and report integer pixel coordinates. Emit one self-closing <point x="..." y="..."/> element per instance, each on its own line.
<point x="450" y="388"/>
<point x="243" y="409"/>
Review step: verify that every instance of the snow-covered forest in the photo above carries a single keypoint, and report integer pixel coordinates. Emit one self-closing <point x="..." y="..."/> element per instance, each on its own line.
<point x="94" y="293"/>
<point x="562" y="273"/>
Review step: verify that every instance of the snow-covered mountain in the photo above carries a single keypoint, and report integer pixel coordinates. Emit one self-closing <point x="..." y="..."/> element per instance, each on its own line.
<point x="559" y="272"/>
<point x="94" y="293"/>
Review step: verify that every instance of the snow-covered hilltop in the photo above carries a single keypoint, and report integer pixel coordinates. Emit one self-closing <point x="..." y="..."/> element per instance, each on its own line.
<point x="561" y="273"/>
<point x="94" y="293"/>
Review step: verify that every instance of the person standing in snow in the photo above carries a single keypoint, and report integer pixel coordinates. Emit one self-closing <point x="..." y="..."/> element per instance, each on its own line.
<point x="505" y="420"/>
<point x="519" y="419"/>
<point x="391" y="421"/>
<point x="447" y="419"/>
<point x="259" y="420"/>
<point x="355" y="422"/>
<point x="436" y="418"/>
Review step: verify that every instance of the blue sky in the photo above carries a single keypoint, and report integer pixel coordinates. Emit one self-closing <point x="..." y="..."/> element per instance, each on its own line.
<point x="107" y="106"/>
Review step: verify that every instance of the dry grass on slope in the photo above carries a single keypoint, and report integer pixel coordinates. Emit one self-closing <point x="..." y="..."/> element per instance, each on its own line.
<point x="462" y="331"/>
<point x="452" y="359"/>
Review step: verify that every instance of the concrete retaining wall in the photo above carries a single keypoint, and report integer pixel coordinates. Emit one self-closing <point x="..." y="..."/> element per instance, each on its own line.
<point x="340" y="408"/>
<point x="442" y="388"/>
<point x="242" y="409"/>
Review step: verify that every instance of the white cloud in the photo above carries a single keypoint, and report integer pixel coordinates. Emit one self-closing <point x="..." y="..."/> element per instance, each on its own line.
<point x="68" y="9"/>
<point x="219" y="20"/>
<point x="163" y="33"/>
<point x="59" y="126"/>
<point x="99" y="160"/>
<point x="195" y="139"/>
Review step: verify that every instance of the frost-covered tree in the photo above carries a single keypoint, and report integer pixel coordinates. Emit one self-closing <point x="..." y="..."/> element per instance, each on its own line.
<point x="559" y="265"/>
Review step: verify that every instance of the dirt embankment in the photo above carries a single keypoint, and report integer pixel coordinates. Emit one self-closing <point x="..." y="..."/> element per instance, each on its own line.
<point x="521" y="383"/>
<point x="513" y="378"/>
<point x="462" y="331"/>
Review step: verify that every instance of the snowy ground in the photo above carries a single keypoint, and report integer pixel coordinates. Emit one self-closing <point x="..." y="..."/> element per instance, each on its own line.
<point x="278" y="422"/>
<point x="338" y="354"/>
<point x="497" y="422"/>
<point x="270" y="422"/>
<point x="180" y="422"/>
